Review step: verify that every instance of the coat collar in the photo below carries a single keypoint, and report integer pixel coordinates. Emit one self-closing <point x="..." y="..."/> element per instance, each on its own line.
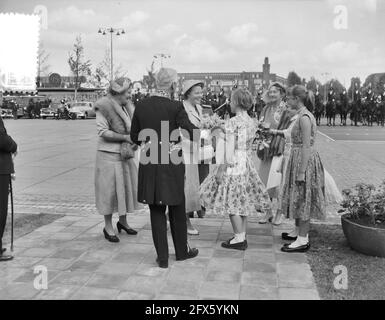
<point x="119" y="110"/>
<point x="192" y="112"/>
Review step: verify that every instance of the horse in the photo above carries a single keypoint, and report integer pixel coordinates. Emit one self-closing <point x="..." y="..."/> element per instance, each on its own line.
<point x="343" y="109"/>
<point x="318" y="112"/>
<point x="331" y="108"/>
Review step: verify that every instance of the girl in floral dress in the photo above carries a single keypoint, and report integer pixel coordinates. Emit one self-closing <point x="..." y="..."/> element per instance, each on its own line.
<point x="303" y="188"/>
<point x="234" y="187"/>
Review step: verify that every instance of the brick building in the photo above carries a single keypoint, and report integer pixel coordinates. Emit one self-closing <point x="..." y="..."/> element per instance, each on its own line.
<point x="253" y="80"/>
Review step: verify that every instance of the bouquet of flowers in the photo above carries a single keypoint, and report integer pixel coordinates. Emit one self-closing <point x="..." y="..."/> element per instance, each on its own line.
<point x="261" y="142"/>
<point x="209" y="130"/>
<point x="212" y="122"/>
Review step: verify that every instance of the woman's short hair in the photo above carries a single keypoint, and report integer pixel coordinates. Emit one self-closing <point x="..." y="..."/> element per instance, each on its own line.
<point x="306" y="96"/>
<point x="280" y="87"/>
<point x="242" y="98"/>
<point x="188" y="92"/>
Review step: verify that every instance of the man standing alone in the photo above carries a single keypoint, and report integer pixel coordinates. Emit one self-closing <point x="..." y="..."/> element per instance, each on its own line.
<point x="160" y="184"/>
<point x="8" y="148"/>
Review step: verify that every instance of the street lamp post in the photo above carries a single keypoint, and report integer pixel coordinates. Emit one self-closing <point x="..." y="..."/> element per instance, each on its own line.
<point x="118" y="32"/>
<point x="162" y="56"/>
<point x="325" y="75"/>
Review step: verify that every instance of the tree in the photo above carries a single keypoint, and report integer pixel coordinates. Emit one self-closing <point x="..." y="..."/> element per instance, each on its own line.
<point x="353" y="81"/>
<point x="78" y="66"/>
<point x="337" y="86"/>
<point x="293" y="79"/>
<point x="42" y="64"/>
<point x="102" y="71"/>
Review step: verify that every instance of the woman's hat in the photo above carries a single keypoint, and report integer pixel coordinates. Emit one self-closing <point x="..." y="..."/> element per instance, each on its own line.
<point x="165" y="77"/>
<point x="278" y="85"/>
<point x="120" y="85"/>
<point x="188" y="84"/>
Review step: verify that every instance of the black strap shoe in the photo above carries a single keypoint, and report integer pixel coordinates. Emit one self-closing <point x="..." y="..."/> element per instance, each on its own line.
<point x="110" y="238"/>
<point x="128" y="230"/>
<point x="303" y="248"/>
<point x="238" y="246"/>
<point x="285" y="236"/>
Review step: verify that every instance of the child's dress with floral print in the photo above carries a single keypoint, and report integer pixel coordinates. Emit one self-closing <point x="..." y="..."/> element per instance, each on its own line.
<point x="240" y="190"/>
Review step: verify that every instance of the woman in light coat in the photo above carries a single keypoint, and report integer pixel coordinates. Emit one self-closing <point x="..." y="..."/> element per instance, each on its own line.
<point x="116" y="174"/>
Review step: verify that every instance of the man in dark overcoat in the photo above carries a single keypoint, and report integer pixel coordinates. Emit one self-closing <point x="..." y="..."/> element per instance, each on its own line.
<point x="161" y="180"/>
<point x="8" y="148"/>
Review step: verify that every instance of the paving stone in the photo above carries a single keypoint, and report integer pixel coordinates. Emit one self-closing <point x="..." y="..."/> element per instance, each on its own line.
<point x="37" y="252"/>
<point x="29" y="276"/>
<point x="283" y="257"/>
<point x="91" y="293"/>
<point x="56" y="263"/>
<point x="298" y="294"/>
<point x="143" y="284"/>
<point x="126" y="295"/>
<point x="82" y="265"/>
<point x="258" y="255"/>
<point x="174" y="297"/>
<point x="18" y="291"/>
<point x="25" y="262"/>
<point x="255" y="278"/>
<point x="255" y="265"/>
<point x="130" y="258"/>
<point x="97" y="255"/>
<point x="67" y="253"/>
<point x="150" y="270"/>
<point x="76" y="278"/>
<point x="226" y="253"/>
<point x="181" y="287"/>
<point x="226" y="264"/>
<point x="195" y="262"/>
<point x="225" y="276"/>
<point x="116" y="268"/>
<point x="295" y="275"/>
<point x="104" y="280"/>
<point x="57" y="292"/>
<point x="258" y="293"/>
<point x="219" y="290"/>
<point x="178" y="272"/>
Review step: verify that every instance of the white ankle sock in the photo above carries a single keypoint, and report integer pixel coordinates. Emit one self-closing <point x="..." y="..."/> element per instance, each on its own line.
<point x="301" y="241"/>
<point x="237" y="238"/>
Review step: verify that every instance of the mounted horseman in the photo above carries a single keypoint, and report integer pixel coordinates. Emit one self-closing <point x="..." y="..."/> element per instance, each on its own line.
<point x="319" y="107"/>
<point x="331" y="106"/>
<point x="356" y="110"/>
<point x="344" y="107"/>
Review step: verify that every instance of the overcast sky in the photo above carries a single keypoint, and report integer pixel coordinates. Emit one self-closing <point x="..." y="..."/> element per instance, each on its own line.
<point x="221" y="35"/>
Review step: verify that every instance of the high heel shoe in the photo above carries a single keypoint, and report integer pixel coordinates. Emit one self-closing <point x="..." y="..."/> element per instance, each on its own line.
<point x="128" y="230"/>
<point x="110" y="238"/>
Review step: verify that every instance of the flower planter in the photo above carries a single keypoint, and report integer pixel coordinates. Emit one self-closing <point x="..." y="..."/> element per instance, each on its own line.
<point x="364" y="239"/>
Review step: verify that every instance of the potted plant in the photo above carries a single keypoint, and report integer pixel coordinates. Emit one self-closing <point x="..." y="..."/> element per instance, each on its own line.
<point x="364" y="220"/>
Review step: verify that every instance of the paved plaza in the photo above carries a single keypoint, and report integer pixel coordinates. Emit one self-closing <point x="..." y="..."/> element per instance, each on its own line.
<point x="54" y="171"/>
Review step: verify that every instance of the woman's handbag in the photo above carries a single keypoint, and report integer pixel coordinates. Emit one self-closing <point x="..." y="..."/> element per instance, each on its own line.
<point x="263" y="151"/>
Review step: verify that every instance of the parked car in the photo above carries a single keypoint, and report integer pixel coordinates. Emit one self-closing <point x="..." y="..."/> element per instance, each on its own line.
<point x="6" y="113"/>
<point x="49" y="112"/>
<point x="83" y="109"/>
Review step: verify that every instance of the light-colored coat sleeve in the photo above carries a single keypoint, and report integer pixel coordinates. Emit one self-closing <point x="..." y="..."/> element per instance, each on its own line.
<point x="101" y="124"/>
